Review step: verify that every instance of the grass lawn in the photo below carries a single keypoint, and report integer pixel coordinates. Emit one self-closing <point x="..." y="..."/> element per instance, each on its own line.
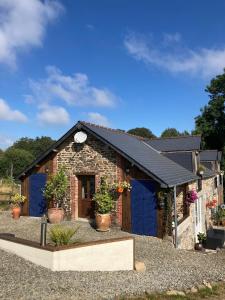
<point x="216" y="293"/>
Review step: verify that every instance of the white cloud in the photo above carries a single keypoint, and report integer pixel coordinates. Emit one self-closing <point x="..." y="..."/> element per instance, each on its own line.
<point x="202" y="62"/>
<point x="97" y="118"/>
<point x="8" y="114"/>
<point x="5" y="141"/>
<point x="23" y="24"/>
<point x="90" y="27"/>
<point x="169" y="38"/>
<point x="53" y="115"/>
<point x="74" y="90"/>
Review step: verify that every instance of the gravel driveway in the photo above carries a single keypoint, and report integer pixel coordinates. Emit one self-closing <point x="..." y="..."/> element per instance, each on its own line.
<point x="166" y="268"/>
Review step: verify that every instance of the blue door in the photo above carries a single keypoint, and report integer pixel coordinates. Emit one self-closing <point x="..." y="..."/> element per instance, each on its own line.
<point x="37" y="203"/>
<point x="143" y="208"/>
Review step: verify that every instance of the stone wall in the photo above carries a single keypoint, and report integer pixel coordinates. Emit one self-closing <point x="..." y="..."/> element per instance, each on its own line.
<point x="94" y="157"/>
<point x="187" y="229"/>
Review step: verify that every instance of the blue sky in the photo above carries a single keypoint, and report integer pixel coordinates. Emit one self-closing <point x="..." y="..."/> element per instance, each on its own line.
<point x="118" y="63"/>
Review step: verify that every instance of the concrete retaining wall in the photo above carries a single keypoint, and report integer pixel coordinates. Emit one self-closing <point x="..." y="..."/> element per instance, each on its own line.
<point x="108" y="255"/>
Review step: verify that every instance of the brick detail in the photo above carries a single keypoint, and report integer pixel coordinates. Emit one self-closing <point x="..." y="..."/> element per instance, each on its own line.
<point x="54" y="164"/>
<point x="74" y="196"/>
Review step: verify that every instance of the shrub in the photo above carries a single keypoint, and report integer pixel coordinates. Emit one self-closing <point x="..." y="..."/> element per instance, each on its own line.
<point x="103" y="198"/>
<point x="62" y="235"/>
<point x="56" y="187"/>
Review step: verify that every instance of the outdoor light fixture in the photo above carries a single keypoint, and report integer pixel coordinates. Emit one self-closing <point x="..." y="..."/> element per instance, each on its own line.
<point x="43" y="230"/>
<point x="127" y="171"/>
<point x="46" y="169"/>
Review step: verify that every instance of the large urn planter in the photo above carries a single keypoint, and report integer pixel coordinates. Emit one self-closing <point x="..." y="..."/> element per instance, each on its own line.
<point x="55" y="215"/>
<point x="103" y="222"/>
<point x="55" y="193"/>
<point x="16" y="211"/>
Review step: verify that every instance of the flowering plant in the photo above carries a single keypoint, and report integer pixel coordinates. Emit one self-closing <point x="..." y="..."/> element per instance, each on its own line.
<point x="17" y="199"/>
<point x="191" y="196"/>
<point x="211" y="203"/>
<point x="121" y="186"/>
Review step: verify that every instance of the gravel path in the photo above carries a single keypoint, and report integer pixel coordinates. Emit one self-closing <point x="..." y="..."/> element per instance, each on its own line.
<point x="166" y="268"/>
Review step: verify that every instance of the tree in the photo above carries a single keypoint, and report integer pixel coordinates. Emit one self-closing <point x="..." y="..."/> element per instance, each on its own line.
<point x="142" y="131"/>
<point x="170" y="132"/>
<point x="211" y="122"/>
<point x="34" y="146"/>
<point x="14" y="161"/>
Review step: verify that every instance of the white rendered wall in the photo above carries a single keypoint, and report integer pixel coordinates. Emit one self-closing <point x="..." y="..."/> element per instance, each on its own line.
<point x="110" y="256"/>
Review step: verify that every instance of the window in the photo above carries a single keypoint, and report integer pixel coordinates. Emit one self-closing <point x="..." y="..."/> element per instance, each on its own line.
<point x="221" y="178"/>
<point x="87" y="186"/>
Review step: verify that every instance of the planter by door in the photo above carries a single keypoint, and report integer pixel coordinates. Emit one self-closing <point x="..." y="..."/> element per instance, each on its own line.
<point x="143" y="208"/>
<point x="37" y="202"/>
<point x="55" y="215"/>
<point x="103" y="222"/>
<point x="16" y="212"/>
<point x="86" y="190"/>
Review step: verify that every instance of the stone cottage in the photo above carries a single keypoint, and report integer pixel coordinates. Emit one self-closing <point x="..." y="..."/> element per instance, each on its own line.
<point x="160" y="171"/>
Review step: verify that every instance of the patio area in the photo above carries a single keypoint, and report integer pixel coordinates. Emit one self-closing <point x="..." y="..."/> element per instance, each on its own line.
<point x="167" y="268"/>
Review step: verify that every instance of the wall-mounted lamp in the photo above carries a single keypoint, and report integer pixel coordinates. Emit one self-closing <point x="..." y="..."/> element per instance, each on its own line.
<point x="47" y="169"/>
<point x="127" y="171"/>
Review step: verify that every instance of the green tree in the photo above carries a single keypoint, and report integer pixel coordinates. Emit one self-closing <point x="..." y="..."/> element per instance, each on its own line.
<point x="170" y="132"/>
<point x="142" y="131"/>
<point x="14" y="161"/>
<point x="34" y="146"/>
<point x="211" y="122"/>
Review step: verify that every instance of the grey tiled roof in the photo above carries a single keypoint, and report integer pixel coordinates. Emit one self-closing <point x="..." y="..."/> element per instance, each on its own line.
<point x="136" y="150"/>
<point x="208" y="173"/>
<point x="207" y="164"/>
<point x="185" y="143"/>
<point x="140" y="153"/>
<point x="182" y="158"/>
<point x="210" y="155"/>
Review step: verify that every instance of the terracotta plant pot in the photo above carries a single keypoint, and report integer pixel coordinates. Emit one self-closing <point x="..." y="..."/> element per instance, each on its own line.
<point x="55" y="215"/>
<point x="16" y="211"/>
<point x="120" y="190"/>
<point x="103" y="222"/>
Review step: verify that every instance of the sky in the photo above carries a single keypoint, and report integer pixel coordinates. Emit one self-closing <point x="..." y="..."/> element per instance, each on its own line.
<point x="117" y="63"/>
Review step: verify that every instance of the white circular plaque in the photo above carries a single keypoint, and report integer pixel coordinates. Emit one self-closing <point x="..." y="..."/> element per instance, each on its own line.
<point x="80" y="137"/>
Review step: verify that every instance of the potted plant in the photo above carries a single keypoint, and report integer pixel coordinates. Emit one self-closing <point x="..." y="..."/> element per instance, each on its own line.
<point x="191" y="197"/>
<point x="16" y="202"/>
<point x="104" y="205"/>
<point x="55" y="192"/>
<point x="201" y="239"/>
<point x="121" y="187"/>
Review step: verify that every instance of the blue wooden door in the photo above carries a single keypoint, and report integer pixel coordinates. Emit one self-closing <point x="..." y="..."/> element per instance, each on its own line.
<point x="37" y="203"/>
<point x="143" y="208"/>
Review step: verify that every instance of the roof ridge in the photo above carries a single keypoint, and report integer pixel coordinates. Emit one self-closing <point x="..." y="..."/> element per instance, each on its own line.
<point x="174" y="137"/>
<point x="202" y="150"/>
<point x="114" y="130"/>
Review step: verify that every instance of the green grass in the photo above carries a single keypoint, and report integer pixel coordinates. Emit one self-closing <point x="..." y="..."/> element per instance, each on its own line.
<point x="216" y="293"/>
